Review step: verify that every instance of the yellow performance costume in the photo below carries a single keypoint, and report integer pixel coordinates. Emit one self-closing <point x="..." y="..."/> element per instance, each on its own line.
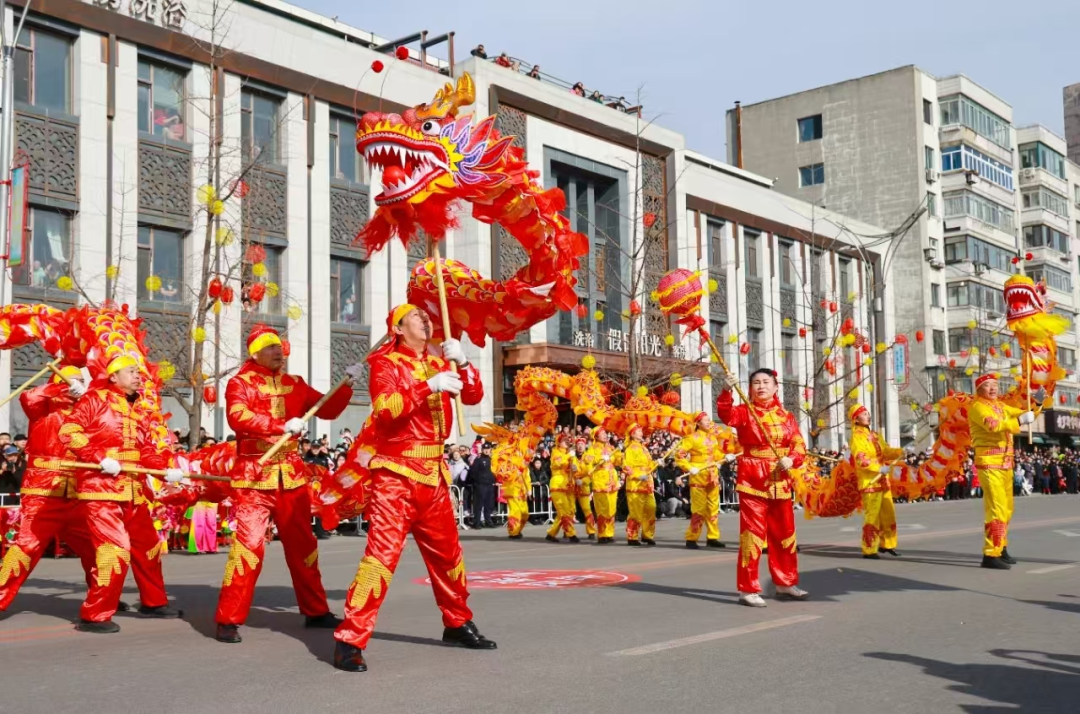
<point x="992" y="425"/>
<point x="600" y="462"/>
<point x="638" y="467"/>
<point x="512" y="472"/>
<point x="583" y="487"/>
<point x="870" y="456"/>
<point x="702" y="452"/>
<point x="563" y="491"/>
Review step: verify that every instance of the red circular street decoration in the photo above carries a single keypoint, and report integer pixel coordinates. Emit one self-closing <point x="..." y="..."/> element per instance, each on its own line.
<point x="542" y="579"/>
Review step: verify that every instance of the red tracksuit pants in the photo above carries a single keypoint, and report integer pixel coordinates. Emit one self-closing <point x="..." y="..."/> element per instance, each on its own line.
<point x="42" y="520"/>
<point x="122" y="535"/>
<point x="766" y="521"/>
<point x="291" y="511"/>
<point x="398" y="507"/>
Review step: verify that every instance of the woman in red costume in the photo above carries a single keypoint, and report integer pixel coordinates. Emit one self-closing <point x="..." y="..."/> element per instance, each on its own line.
<point x="766" y="517"/>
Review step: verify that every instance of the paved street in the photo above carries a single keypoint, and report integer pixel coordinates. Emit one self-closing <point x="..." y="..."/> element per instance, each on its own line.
<point x="929" y="632"/>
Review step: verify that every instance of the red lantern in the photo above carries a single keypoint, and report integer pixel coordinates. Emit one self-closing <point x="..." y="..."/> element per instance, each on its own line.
<point x="1062" y="399"/>
<point x="255" y="253"/>
<point x="832" y="307"/>
<point x="671" y="398"/>
<point x="951" y="392"/>
<point x="1078" y="398"/>
<point x="213" y="288"/>
<point x="209" y="395"/>
<point x="993" y="352"/>
<point x="952" y="363"/>
<point x="581" y="311"/>
<point x="744" y="348"/>
<point x="963" y="353"/>
<point x="901" y="339"/>
<point x="1008" y="351"/>
<point x="1028" y="256"/>
<point x="802" y="332"/>
<point x="1016" y="260"/>
<point x="257" y="292"/>
<point x="919" y="336"/>
<point x="227" y="295"/>
<point x="866" y="348"/>
<point x="241" y="188"/>
<point x="635" y="308"/>
<point x="649" y="219"/>
<point x="402" y="53"/>
<point x="286" y="348"/>
<point x="376" y="66"/>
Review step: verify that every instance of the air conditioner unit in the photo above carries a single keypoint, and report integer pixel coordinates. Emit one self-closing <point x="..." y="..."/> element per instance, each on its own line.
<point x="1027" y="174"/>
<point x="972" y="177"/>
<point x="937" y="264"/>
<point x="931" y="175"/>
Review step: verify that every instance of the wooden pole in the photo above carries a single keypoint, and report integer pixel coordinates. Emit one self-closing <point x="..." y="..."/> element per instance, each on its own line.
<point x="125" y="468"/>
<point x="56" y="370"/>
<point x="1031" y="425"/>
<point x="445" y="313"/>
<point x="22" y="387"/>
<point x="307" y="416"/>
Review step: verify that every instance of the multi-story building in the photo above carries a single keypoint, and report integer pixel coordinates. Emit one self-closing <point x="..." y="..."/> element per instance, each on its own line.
<point x="903" y="145"/>
<point x="120" y="111"/>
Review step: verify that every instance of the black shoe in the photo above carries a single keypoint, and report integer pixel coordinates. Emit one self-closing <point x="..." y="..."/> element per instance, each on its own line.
<point x="871" y="556"/>
<point x="765" y="551"/>
<point x="575" y="539"/>
<point x="348" y="658"/>
<point x="164" y="612"/>
<point x="604" y="541"/>
<point x="326" y="621"/>
<point x="896" y="554"/>
<point x="592" y="536"/>
<point x="692" y="544"/>
<point x="123" y="607"/>
<point x="106" y="627"/>
<point x="648" y="541"/>
<point x="228" y="633"/>
<point x="633" y="542"/>
<point x="995" y="563"/>
<point x="715" y="544"/>
<point x="1006" y="557"/>
<point x="488" y="524"/>
<point x="467" y="636"/>
<point x="519" y="536"/>
<point x="551" y="539"/>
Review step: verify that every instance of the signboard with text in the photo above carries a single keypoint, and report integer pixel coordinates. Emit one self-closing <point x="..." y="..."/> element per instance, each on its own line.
<point x="900" y="366"/>
<point x="1063" y="422"/>
<point x="17" y="213"/>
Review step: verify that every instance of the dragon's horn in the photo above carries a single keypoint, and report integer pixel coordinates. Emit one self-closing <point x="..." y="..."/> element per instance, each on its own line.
<point x="464" y="94"/>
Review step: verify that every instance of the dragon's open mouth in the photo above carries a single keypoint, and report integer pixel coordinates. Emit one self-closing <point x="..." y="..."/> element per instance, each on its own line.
<point x="407" y="166"/>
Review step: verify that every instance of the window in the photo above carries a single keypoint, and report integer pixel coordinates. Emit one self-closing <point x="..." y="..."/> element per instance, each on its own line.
<point x="958" y="109"/>
<point x="935" y="295"/>
<point x="271" y="302"/>
<point x="939" y="342"/>
<point x="962" y="157"/>
<point x="751" y="241"/>
<point x="345" y="290"/>
<point x="161" y="258"/>
<point x="812" y="175"/>
<point x="753" y="338"/>
<point x="965" y="294"/>
<point x="787" y="267"/>
<point x="1076" y="194"/>
<point x="1053" y="277"/>
<point x="928" y="112"/>
<point x="787" y="343"/>
<point x="43" y="70"/>
<point x="1043" y="197"/>
<point x="931" y="204"/>
<point x="259" y="125"/>
<point x="961" y="248"/>
<point x="716" y="243"/>
<point x="1067" y="357"/>
<point x="810" y="128"/>
<point x="1041" y="156"/>
<point x="50" y="250"/>
<point x="845" y="280"/>
<point x="928" y="158"/>
<point x="345" y="161"/>
<point x="966" y="203"/>
<point x="1045" y="236"/>
<point x="161" y="101"/>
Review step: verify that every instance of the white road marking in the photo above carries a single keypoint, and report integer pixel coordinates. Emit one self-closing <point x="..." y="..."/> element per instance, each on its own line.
<point x="1069" y="534"/>
<point x="1051" y="569"/>
<point x="710" y="636"/>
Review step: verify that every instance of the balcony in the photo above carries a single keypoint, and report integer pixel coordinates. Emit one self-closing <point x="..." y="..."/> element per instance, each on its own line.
<point x="1051" y="256"/>
<point x="958" y="133"/>
<point x="1042" y="177"/>
<point x="961" y="225"/>
<point x="52" y="147"/>
<point x="1033" y="216"/>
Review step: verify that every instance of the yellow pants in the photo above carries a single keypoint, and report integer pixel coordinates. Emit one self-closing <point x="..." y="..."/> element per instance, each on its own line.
<point x="879" y="522"/>
<point x="604" y="503"/>
<point x="586" y="508"/>
<point x="517" y="515"/>
<point x="564" y="514"/>
<point x="704" y="511"/>
<point x="641" y="523"/>
<point x="997" y="486"/>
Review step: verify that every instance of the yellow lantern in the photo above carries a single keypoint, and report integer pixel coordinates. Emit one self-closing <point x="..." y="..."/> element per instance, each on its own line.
<point x="820" y="423"/>
<point x="217" y="207"/>
<point x="153" y="283"/>
<point x="206" y="194"/>
<point x="707" y="379"/>
<point x="112" y="271"/>
<point x="787" y="322"/>
<point x="869" y="388"/>
<point x="713" y="285"/>
<point x="65" y="283"/>
<point x="853" y="394"/>
<point x="588" y="361"/>
<point x="272" y="289"/>
<point x="972" y="324"/>
<point x="598" y="315"/>
<point x="295" y="312"/>
<point x="826" y="350"/>
<point x="224" y="236"/>
<point x="881" y="347"/>
<point x="198" y="334"/>
<point x="216" y="309"/>
<point x="259" y="270"/>
<point x="676" y="379"/>
<point x="166" y="370"/>
<point x="732" y="339"/>
<point x="643" y="391"/>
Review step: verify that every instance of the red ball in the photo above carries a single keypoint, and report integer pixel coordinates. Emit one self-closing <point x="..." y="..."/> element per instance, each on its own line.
<point x="952" y="363"/>
<point x="1062" y="399"/>
<point x="901" y="339"/>
<point x="377" y="66"/>
<point x="1016" y="260"/>
<point x="866" y="348"/>
<point x="919" y="336"/>
<point x="227" y="295"/>
<point x="832" y="307"/>
<point x="649" y="219"/>
<point x="802" y="332"/>
<point x="209" y="395"/>
<point x="213" y="288"/>
<point x="581" y="311"/>
<point x="257" y="292"/>
<point x="286" y="348"/>
<point x="635" y="307"/>
<point x="402" y="53"/>
<point x="1028" y="256"/>
<point x="744" y="348"/>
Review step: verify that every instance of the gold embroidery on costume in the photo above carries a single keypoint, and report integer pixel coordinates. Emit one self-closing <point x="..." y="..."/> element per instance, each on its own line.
<point x="750" y="547"/>
<point x="393" y="403"/>
<point x="157" y="551"/>
<point x="788" y="543"/>
<point x="276" y="389"/>
<point x="372" y="580"/>
<point x="239" y="556"/>
<point x="457" y="573"/>
<point x="15" y="561"/>
<point x="242" y="410"/>
<point x="72" y="436"/>
<point x="108" y="557"/>
<point x="312" y="559"/>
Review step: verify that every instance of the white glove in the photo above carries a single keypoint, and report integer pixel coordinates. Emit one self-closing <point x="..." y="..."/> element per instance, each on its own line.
<point x="731" y="380"/>
<point x="295" y="426"/>
<point x="786" y="463"/>
<point x="452" y="352"/>
<point x="730" y="457"/>
<point x="109" y="466"/>
<point x="694" y="470"/>
<point x="173" y="475"/>
<point x="885" y="469"/>
<point x="76" y="389"/>
<point x="1026" y="418"/>
<point x="607" y="457"/>
<point x="445" y="382"/>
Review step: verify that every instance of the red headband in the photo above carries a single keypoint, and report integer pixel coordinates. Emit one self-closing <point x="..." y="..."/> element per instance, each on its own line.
<point x="985" y="378"/>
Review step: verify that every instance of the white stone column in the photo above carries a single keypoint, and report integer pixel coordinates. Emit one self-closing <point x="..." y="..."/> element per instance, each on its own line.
<point x="89" y="225"/>
<point x="125" y="188"/>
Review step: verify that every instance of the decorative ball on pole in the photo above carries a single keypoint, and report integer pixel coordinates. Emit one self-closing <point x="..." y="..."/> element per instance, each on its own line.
<point x="679" y="293"/>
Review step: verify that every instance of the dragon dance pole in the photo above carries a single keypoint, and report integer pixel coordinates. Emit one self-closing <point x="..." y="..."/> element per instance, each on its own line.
<point x="71" y="465"/>
<point x="1031" y="424"/>
<point x="284" y="438"/>
<point x="27" y="383"/>
<point x="445" y="314"/>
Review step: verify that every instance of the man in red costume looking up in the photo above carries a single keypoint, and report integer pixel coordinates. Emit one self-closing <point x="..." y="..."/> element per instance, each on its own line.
<point x="262" y="403"/>
<point x="412" y="408"/>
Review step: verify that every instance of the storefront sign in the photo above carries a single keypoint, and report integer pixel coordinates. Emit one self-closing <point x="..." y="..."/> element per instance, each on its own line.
<point x="1063" y="422"/>
<point x="167" y="13"/>
<point x="619" y="341"/>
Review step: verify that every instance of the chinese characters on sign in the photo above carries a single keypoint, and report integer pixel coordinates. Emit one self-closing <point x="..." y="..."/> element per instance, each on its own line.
<point x="167" y="13"/>
<point x="619" y="341"/>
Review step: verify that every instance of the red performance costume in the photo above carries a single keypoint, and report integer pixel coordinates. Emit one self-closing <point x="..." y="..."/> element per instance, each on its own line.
<point x="765" y="491"/>
<point x="412" y="411"/>
<point x="263" y="403"/>
<point x="48" y="506"/>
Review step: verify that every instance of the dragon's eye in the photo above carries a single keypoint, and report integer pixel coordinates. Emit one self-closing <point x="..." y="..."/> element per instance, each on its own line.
<point x="431" y="128"/>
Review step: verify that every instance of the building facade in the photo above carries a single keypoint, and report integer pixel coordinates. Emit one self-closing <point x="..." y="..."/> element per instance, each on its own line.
<point x="126" y="115"/>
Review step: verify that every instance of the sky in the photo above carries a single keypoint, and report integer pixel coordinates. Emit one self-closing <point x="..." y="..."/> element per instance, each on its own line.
<point x="693" y="59"/>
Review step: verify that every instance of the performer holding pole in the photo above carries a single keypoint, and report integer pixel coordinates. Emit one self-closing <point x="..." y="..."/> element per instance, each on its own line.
<point x="697" y="457"/>
<point x="600" y="462"/>
<point x="412" y="406"/>
<point x="871" y="457"/>
<point x="563" y="489"/>
<point x="583" y="486"/>
<point x="638" y="468"/>
<point x="262" y="403"/>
